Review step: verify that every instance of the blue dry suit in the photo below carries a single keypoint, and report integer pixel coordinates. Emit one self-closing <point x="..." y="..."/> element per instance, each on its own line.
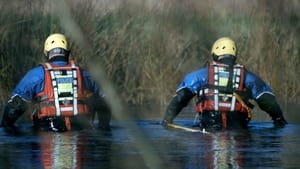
<point x="256" y="88"/>
<point x="198" y="79"/>
<point x="33" y="83"/>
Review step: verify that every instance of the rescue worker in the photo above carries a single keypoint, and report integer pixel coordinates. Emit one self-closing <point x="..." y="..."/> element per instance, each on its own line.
<point x="64" y="96"/>
<point x="223" y="89"/>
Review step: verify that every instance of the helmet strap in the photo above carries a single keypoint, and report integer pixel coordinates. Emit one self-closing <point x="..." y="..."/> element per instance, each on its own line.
<point x="59" y="58"/>
<point x="226" y="59"/>
<point x="61" y="53"/>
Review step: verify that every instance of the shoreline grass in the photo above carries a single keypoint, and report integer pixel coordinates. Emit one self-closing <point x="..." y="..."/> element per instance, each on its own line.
<point x="146" y="47"/>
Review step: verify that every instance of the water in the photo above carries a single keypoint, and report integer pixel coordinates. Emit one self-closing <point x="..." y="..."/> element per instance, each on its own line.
<point x="261" y="146"/>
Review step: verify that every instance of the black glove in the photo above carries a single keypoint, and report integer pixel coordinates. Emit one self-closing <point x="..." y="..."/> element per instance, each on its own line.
<point x="99" y="106"/>
<point x="15" y="107"/>
<point x="268" y="103"/>
<point x="104" y="118"/>
<point x="165" y="123"/>
<point x="279" y="122"/>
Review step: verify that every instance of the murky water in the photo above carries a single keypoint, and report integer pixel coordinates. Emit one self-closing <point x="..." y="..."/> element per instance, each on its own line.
<point x="261" y="146"/>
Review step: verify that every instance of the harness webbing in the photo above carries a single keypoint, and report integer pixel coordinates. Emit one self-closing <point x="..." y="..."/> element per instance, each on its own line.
<point x="54" y="76"/>
<point x="216" y="83"/>
<point x="235" y="82"/>
<point x="75" y="87"/>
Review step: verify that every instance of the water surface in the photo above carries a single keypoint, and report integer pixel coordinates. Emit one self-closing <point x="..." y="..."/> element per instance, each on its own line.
<point x="261" y="146"/>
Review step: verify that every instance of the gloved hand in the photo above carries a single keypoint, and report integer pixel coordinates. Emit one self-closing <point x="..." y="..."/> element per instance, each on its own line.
<point x="165" y="123"/>
<point x="104" y="119"/>
<point x="279" y="122"/>
<point x="15" y="107"/>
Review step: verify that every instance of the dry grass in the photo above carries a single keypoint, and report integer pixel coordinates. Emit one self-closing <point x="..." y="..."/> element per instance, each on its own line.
<point x="139" y="50"/>
<point x="146" y="47"/>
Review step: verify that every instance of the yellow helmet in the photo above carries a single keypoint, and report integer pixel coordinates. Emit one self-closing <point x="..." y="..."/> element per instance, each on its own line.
<point x="224" y="46"/>
<point x="55" y="41"/>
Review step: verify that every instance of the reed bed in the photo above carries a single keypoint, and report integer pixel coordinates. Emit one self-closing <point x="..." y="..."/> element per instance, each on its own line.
<point x="146" y="47"/>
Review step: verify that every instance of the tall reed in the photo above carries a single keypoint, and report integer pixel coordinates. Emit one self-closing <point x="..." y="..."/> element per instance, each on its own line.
<point x="146" y="47"/>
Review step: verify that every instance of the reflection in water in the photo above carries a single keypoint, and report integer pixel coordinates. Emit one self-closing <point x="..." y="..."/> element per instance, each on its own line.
<point x="224" y="154"/>
<point x="48" y="150"/>
<point x="60" y="150"/>
<point x="259" y="147"/>
<point x="75" y="150"/>
<point x="219" y="150"/>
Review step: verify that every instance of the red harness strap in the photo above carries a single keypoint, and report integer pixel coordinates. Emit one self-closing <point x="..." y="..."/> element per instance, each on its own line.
<point x="68" y="123"/>
<point x="224" y="120"/>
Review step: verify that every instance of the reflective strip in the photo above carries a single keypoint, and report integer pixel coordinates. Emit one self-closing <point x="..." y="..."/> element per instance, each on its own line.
<point x="66" y="109"/>
<point x="56" y="101"/>
<point x="225" y="104"/>
<point x="258" y="96"/>
<point x="55" y="89"/>
<point x="233" y="100"/>
<point x="216" y="91"/>
<point x="216" y="99"/>
<point x="237" y="74"/>
<point x="75" y="89"/>
<point x="238" y="71"/>
<point x="65" y="98"/>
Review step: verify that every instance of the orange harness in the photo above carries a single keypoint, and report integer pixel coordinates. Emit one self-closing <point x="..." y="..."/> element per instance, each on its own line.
<point x="63" y="93"/>
<point x="216" y="97"/>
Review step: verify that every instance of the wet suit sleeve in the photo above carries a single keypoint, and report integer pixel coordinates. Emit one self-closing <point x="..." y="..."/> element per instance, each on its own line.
<point x="24" y="92"/>
<point x="268" y="103"/>
<point x="99" y="105"/>
<point x="263" y="95"/>
<point x="15" y="107"/>
<point x="178" y="102"/>
<point x="97" y="101"/>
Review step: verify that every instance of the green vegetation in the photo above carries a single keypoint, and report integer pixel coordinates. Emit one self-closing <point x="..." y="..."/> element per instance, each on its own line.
<point x="145" y="48"/>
